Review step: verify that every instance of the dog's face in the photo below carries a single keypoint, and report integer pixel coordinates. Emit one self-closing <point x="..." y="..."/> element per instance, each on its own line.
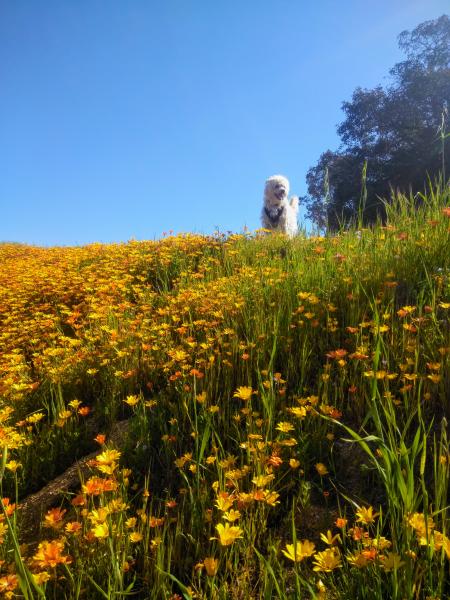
<point x="276" y="190"/>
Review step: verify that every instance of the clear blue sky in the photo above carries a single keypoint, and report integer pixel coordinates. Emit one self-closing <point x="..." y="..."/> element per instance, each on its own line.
<point x="123" y="119"/>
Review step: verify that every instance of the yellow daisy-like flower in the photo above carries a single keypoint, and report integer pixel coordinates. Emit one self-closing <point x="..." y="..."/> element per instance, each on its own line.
<point x="321" y="469"/>
<point x="13" y="465"/>
<point x="223" y="503"/>
<point x="244" y="393"/>
<point x="101" y="531"/>
<point x="301" y="550"/>
<point x="263" y="480"/>
<point x="366" y="515"/>
<point x="392" y="562"/>
<point x="136" y="536"/>
<point x="227" y="534"/>
<point x="108" y="457"/>
<point x="131" y="400"/>
<point x="285" y="427"/>
<point x="211" y="565"/>
<point x="232" y="515"/>
<point x="330" y="539"/>
<point x="327" y="561"/>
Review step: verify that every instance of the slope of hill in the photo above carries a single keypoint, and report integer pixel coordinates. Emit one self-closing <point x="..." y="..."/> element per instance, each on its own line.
<point x="287" y="404"/>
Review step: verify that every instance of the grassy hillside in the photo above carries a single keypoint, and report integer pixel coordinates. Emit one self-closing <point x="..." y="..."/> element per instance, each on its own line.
<point x="287" y="405"/>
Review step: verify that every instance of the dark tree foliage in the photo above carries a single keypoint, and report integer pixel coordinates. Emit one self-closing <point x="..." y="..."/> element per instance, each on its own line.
<point x="396" y="130"/>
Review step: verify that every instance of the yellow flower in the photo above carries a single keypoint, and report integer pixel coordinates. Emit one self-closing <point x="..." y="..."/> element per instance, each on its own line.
<point x="131" y="522"/>
<point x="284" y="427"/>
<point x="358" y="560"/>
<point x="211" y="565"/>
<point x="294" y="463"/>
<point x="136" y="536"/>
<point x="101" y="531"/>
<point x="131" y="400"/>
<point x="41" y="578"/>
<point x="98" y="515"/>
<point x="366" y="515"/>
<point x="223" y="503"/>
<point x="321" y="469"/>
<point x="263" y="480"/>
<point x="300" y="551"/>
<point x="298" y="411"/>
<point x="201" y="398"/>
<point x="243" y="392"/>
<point x="108" y="457"/>
<point x="232" y="515"/>
<point x="418" y="523"/>
<point x="227" y="534"/>
<point x="327" y="561"/>
<point x="392" y="562"/>
<point x="330" y="539"/>
<point x="13" y="465"/>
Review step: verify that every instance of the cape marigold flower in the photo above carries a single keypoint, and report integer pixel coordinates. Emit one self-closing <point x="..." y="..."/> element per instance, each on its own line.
<point x="41" y="578"/>
<point x="131" y="400"/>
<point x="49" y="554"/>
<point x="421" y="526"/>
<point x="79" y="500"/>
<point x="232" y="515"/>
<point x="13" y="465"/>
<point x="298" y="411"/>
<point x="101" y="530"/>
<point x="301" y="550"/>
<point x="227" y="534"/>
<point x="392" y="562"/>
<point x="211" y="565"/>
<point x="3" y="530"/>
<point x="366" y="515"/>
<point x="98" y="515"/>
<point x="8" y="583"/>
<point x="106" y="485"/>
<point x="284" y="427"/>
<point x="54" y="518"/>
<point x="108" y="457"/>
<point x="321" y="469"/>
<point x="224" y="502"/>
<point x="73" y="527"/>
<point x="327" y="561"/>
<point x="357" y="560"/>
<point x="330" y="539"/>
<point x="244" y="393"/>
<point x="263" y="480"/>
<point x="435" y="378"/>
<point x="341" y="522"/>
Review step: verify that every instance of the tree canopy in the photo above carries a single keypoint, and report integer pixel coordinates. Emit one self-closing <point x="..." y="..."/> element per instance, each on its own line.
<point x="397" y="131"/>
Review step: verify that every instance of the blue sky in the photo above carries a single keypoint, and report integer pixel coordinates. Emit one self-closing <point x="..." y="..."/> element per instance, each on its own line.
<point x="125" y="119"/>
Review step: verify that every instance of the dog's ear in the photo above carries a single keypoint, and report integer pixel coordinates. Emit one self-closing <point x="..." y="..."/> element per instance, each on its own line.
<point x="294" y="202"/>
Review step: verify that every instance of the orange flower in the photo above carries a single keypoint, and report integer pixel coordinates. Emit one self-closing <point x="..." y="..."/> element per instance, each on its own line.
<point x="8" y="583"/>
<point x="49" y="554"/>
<point x="54" y="518"/>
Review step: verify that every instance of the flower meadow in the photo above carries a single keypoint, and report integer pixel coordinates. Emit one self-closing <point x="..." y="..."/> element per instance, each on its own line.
<point x="286" y="401"/>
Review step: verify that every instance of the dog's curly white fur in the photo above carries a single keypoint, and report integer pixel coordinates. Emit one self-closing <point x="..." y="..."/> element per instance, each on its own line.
<point x="279" y="213"/>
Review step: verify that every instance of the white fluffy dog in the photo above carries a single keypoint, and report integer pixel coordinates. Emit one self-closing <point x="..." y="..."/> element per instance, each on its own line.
<point x="279" y="213"/>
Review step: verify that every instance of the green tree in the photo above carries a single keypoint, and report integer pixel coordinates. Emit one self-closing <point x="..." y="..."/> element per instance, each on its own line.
<point x="397" y="130"/>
